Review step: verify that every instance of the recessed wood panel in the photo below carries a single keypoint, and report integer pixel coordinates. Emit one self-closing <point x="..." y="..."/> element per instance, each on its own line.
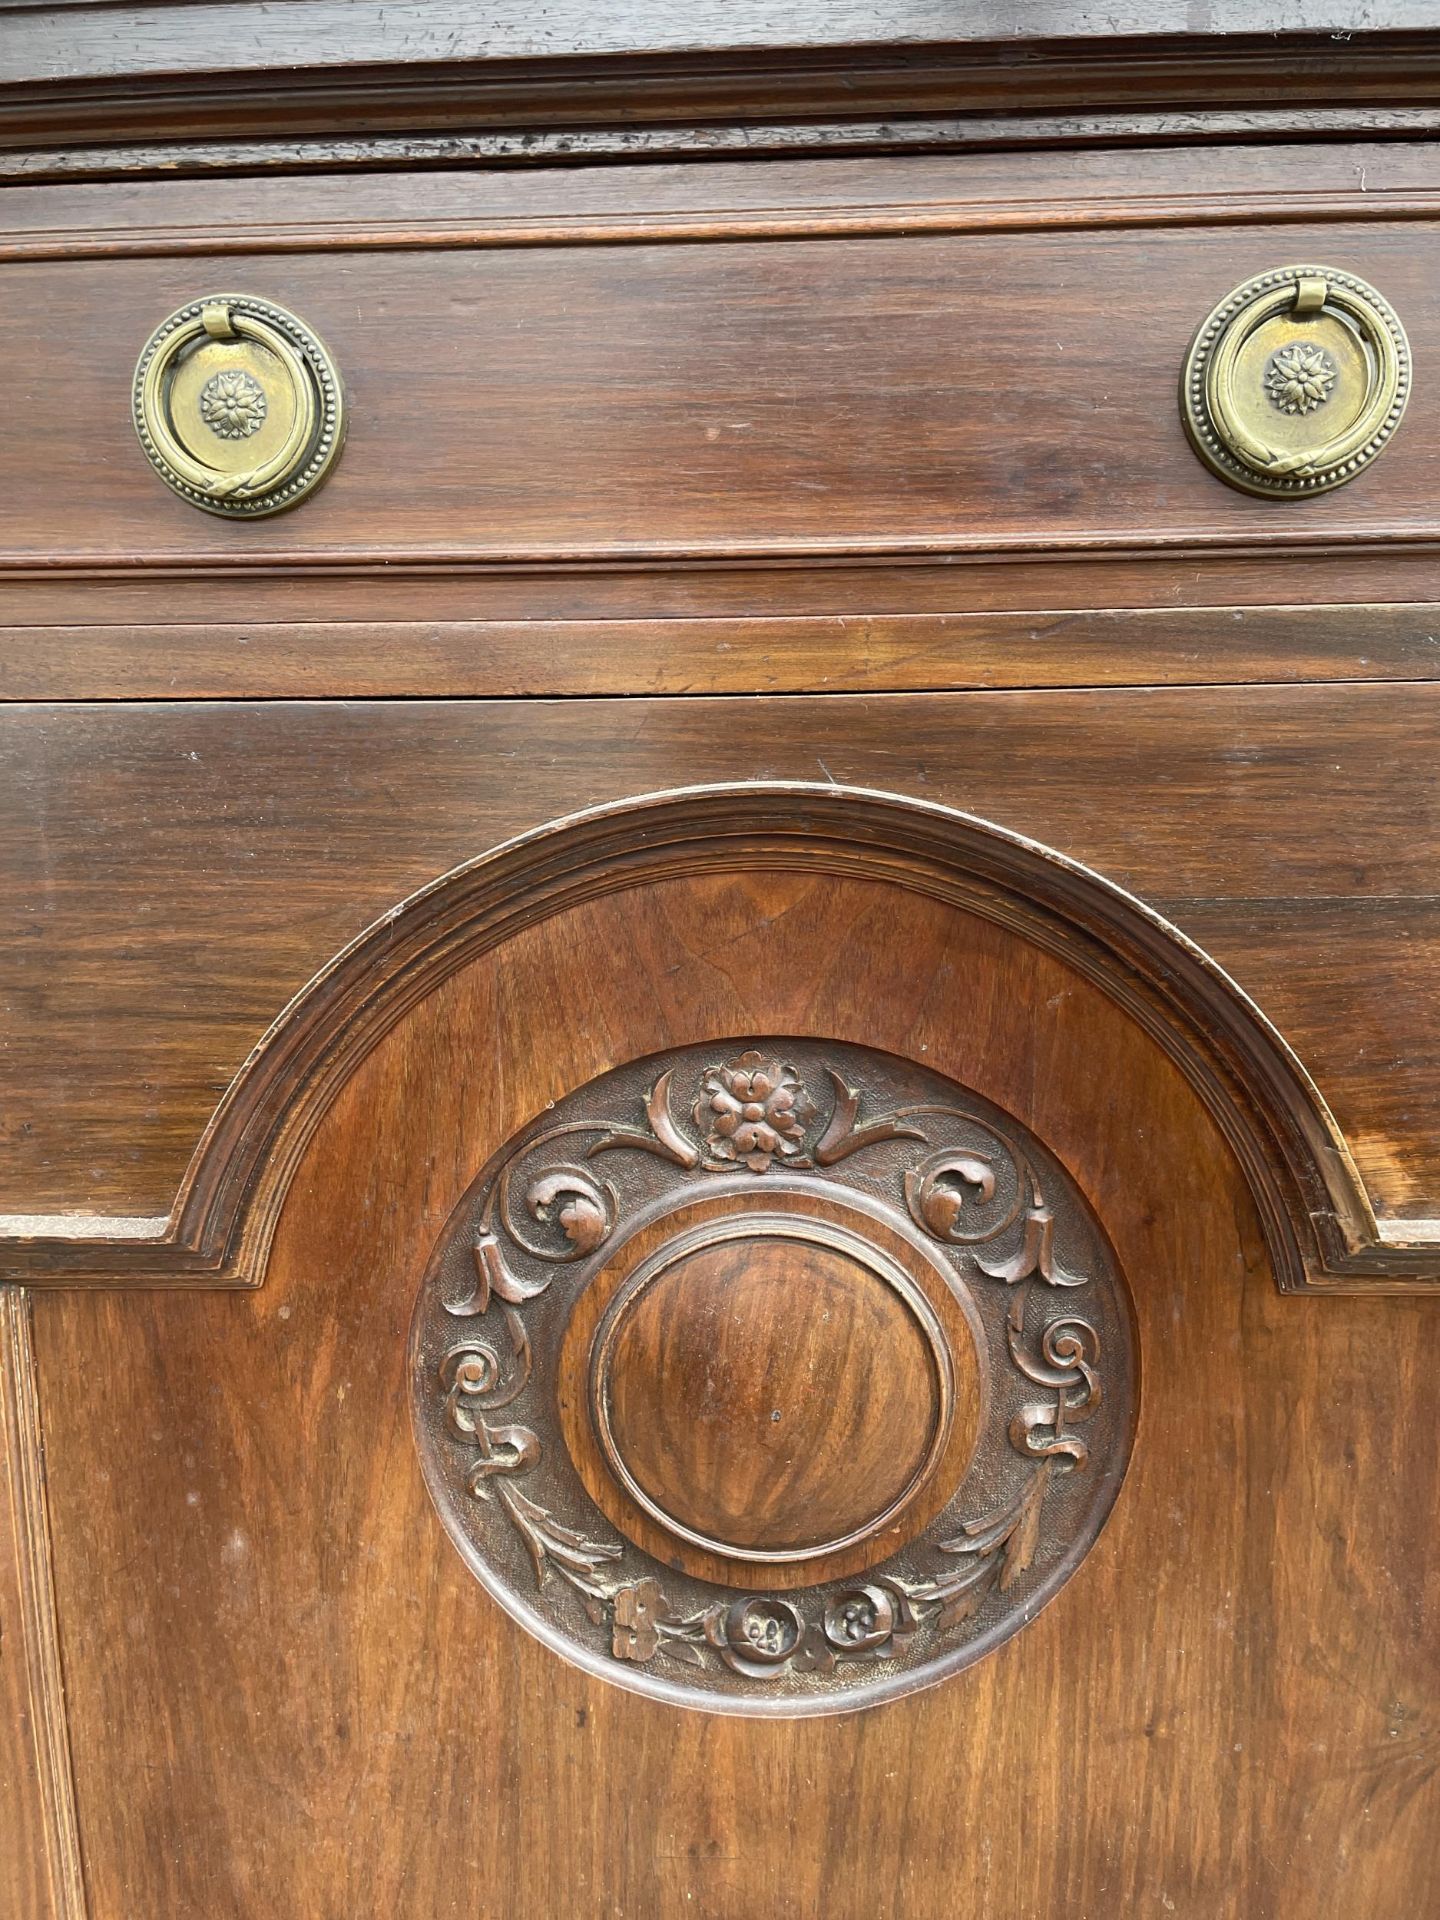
<point x="1213" y="1654"/>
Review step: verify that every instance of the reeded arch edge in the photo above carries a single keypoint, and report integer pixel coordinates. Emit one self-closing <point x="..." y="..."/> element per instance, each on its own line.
<point x="1321" y="1231"/>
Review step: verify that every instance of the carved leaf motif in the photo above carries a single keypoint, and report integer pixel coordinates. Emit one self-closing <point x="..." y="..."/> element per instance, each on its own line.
<point x="663" y="1138"/>
<point x="1020" y="1546"/>
<point x="673" y="1647"/>
<point x="1012" y="1532"/>
<point x="965" y="1602"/>
<point x="842" y="1136"/>
<point x="938" y="1198"/>
<point x="490" y="1262"/>
<point x="493" y="1276"/>
<point x="582" y="1215"/>
<point x="662" y="1125"/>
<point x="547" y="1539"/>
<point x="1036" y="1255"/>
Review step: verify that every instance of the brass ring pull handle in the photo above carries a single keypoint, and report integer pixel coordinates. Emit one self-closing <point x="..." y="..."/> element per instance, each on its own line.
<point x="238" y="406"/>
<point x="1295" y="382"/>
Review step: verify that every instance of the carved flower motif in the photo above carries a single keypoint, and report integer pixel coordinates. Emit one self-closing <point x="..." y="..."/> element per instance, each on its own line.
<point x="755" y="1637"/>
<point x="233" y="404"/>
<point x="754" y="1110"/>
<point x="875" y="1619"/>
<point x="1299" y="377"/>
<point x="637" y="1609"/>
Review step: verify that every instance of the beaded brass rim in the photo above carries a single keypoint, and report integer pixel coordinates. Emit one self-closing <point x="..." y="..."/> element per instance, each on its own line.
<point x="1261" y="427"/>
<point x="300" y="379"/>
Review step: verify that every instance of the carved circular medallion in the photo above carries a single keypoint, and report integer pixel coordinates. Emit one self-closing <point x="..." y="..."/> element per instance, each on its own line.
<point x="776" y="1377"/>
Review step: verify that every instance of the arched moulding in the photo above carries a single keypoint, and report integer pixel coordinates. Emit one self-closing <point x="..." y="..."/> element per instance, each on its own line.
<point x="1321" y="1231"/>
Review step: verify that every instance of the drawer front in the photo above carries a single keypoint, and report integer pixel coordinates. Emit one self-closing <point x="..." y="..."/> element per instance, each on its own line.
<point x="823" y="359"/>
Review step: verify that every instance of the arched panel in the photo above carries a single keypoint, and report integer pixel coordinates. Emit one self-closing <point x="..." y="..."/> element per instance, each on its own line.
<point x="1321" y="1231"/>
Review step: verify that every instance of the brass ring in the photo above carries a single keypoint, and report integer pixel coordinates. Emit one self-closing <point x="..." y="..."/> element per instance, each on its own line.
<point x="1235" y="419"/>
<point x="287" y="472"/>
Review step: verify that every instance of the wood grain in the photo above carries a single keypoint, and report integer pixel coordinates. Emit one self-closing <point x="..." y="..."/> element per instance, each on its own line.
<point x="1341" y="613"/>
<point x="247" y="844"/>
<point x="55" y="41"/>
<point x="762" y="1429"/>
<point x="1226" y="1713"/>
<point x="668" y="397"/>
<point x="784" y="653"/>
<point x="40" y="1869"/>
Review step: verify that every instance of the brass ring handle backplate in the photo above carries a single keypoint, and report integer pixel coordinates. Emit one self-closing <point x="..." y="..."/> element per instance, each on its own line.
<point x="238" y="406"/>
<point x="1295" y="382"/>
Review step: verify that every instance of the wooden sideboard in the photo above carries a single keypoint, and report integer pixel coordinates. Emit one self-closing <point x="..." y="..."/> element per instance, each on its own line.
<point x="719" y="1082"/>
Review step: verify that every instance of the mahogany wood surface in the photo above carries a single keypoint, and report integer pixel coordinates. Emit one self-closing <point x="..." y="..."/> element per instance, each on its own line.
<point x="731" y="1412"/>
<point x="1226" y="1710"/>
<point x="722" y="653"/>
<point x="1279" y="827"/>
<point x="737" y="394"/>
<point x="24" y="1875"/>
<point x="1200" y="620"/>
<point x="618" y="385"/>
<point x="41" y="1876"/>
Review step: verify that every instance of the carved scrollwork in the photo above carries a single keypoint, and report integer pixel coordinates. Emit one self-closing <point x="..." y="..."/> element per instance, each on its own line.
<point x="577" y="1211"/>
<point x="969" y="1182"/>
<point x="470" y="1378"/>
<point x="568" y="1199"/>
<point x="1069" y="1349"/>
